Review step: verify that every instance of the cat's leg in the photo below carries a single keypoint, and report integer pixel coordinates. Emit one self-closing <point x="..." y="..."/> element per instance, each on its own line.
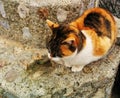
<point x="77" y="68"/>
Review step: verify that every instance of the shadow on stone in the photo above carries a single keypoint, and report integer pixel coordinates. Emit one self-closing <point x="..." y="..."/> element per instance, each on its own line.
<point x="43" y="64"/>
<point x="116" y="86"/>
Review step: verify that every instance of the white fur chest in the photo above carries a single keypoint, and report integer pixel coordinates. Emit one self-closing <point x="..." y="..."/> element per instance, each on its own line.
<point x="85" y="56"/>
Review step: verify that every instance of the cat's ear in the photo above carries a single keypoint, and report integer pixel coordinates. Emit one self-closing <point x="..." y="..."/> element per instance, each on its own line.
<point x="52" y="24"/>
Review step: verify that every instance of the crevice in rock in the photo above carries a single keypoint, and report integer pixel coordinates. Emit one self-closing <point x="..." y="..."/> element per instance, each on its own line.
<point x="116" y="86"/>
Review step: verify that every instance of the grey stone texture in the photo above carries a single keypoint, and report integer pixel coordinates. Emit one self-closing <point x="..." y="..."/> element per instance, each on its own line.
<point x="24" y="72"/>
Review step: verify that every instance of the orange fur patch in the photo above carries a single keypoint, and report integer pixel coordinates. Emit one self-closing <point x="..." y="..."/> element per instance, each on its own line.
<point x="65" y="50"/>
<point x="73" y="37"/>
<point x="100" y="44"/>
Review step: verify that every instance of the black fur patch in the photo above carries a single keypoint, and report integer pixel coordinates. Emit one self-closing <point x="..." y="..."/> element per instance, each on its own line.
<point x="59" y="35"/>
<point x="94" y="20"/>
<point x="108" y="27"/>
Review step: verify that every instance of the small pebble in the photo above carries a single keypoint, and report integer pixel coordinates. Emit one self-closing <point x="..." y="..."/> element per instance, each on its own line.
<point x="5" y="24"/>
<point x="17" y="50"/>
<point x="91" y="4"/>
<point x="26" y="33"/>
<point x="2" y="10"/>
<point x="61" y="15"/>
<point x="2" y="63"/>
<point x="11" y="75"/>
<point x="8" y="95"/>
<point x="23" y="11"/>
<point x="43" y="13"/>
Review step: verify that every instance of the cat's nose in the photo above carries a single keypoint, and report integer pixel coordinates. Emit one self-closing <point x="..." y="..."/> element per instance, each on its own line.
<point x="53" y="55"/>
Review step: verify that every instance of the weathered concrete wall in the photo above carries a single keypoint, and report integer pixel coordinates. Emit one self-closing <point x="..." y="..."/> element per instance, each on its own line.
<point x="39" y="3"/>
<point x="22" y="45"/>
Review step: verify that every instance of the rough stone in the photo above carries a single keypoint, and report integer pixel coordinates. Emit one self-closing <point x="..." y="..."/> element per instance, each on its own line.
<point x="26" y="33"/>
<point x="23" y="10"/>
<point x="5" y="24"/>
<point x="118" y="25"/>
<point x="61" y="15"/>
<point x="38" y="78"/>
<point x="43" y="13"/>
<point x="11" y="75"/>
<point x="2" y="10"/>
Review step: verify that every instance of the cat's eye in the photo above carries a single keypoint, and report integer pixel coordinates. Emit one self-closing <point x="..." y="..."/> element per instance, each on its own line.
<point x="70" y="42"/>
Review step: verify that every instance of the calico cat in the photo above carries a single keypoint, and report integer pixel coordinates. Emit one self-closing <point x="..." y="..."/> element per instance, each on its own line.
<point x="82" y="41"/>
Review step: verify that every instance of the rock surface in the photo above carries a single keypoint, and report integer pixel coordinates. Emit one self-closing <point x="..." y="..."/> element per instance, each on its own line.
<point x="2" y="10"/>
<point x="24" y="72"/>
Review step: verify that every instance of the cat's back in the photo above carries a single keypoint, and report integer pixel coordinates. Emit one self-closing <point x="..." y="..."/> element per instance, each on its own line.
<point x="102" y="21"/>
<point x="99" y="25"/>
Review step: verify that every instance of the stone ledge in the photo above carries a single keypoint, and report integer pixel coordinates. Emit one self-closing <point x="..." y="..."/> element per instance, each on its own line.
<point x="54" y="81"/>
<point x="39" y="3"/>
<point x="19" y="79"/>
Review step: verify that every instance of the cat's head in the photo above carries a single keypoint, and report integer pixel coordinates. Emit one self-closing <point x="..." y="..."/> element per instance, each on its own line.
<point x="65" y="40"/>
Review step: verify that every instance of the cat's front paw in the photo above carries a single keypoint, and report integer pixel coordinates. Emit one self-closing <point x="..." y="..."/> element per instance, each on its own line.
<point x="67" y="65"/>
<point x="77" y="68"/>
